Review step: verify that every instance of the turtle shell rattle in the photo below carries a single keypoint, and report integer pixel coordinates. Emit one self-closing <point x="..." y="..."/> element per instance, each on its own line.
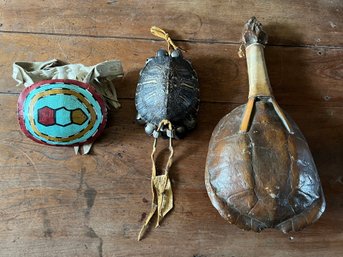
<point x="65" y="104"/>
<point x="167" y="101"/>
<point x="260" y="172"/>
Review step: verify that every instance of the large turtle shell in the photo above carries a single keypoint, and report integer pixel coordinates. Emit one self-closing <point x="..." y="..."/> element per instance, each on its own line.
<point x="168" y="88"/>
<point x="264" y="178"/>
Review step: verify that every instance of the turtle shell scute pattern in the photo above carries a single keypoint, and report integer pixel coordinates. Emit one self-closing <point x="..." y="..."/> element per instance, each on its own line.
<point x="265" y="178"/>
<point x="168" y="88"/>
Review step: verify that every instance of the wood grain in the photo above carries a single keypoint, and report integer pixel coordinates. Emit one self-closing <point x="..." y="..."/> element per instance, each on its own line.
<point x="54" y="203"/>
<point x="288" y="22"/>
<point x="308" y="76"/>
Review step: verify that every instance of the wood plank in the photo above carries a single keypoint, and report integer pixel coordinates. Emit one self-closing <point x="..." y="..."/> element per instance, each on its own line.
<point x="58" y="204"/>
<point x="288" y="22"/>
<point x="307" y="76"/>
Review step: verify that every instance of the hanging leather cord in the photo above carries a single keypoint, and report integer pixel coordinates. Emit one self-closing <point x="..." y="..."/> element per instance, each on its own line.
<point x="158" y="32"/>
<point x="162" y="195"/>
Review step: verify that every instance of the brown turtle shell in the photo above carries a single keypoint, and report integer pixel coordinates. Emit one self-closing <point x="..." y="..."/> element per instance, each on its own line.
<point x="264" y="178"/>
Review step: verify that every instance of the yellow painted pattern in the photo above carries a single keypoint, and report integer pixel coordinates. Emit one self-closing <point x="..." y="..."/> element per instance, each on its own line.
<point x="78" y="117"/>
<point x="62" y="91"/>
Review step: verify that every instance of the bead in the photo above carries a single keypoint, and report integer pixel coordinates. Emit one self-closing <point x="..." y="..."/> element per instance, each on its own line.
<point x="149" y="128"/>
<point x="161" y="53"/>
<point x="176" y="53"/>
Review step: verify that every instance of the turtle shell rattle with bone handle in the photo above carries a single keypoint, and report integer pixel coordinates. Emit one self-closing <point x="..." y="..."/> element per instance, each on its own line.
<point x="260" y="172"/>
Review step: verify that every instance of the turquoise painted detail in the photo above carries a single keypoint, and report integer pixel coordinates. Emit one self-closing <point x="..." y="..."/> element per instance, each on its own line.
<point x="62" y="101"/>
<point x="63" y="116"/>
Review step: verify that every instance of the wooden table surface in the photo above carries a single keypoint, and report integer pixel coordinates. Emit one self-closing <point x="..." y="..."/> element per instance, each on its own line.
<point x="54" y="203"/>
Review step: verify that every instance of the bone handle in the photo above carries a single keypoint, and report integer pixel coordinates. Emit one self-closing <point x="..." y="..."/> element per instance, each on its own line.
<point x="254" y="40"/>
<point x="259" y="84"/>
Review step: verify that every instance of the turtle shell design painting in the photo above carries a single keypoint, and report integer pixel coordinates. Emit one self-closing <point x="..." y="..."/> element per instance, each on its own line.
<point x="66" y="104"/>
<point x="61" y="112"/>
